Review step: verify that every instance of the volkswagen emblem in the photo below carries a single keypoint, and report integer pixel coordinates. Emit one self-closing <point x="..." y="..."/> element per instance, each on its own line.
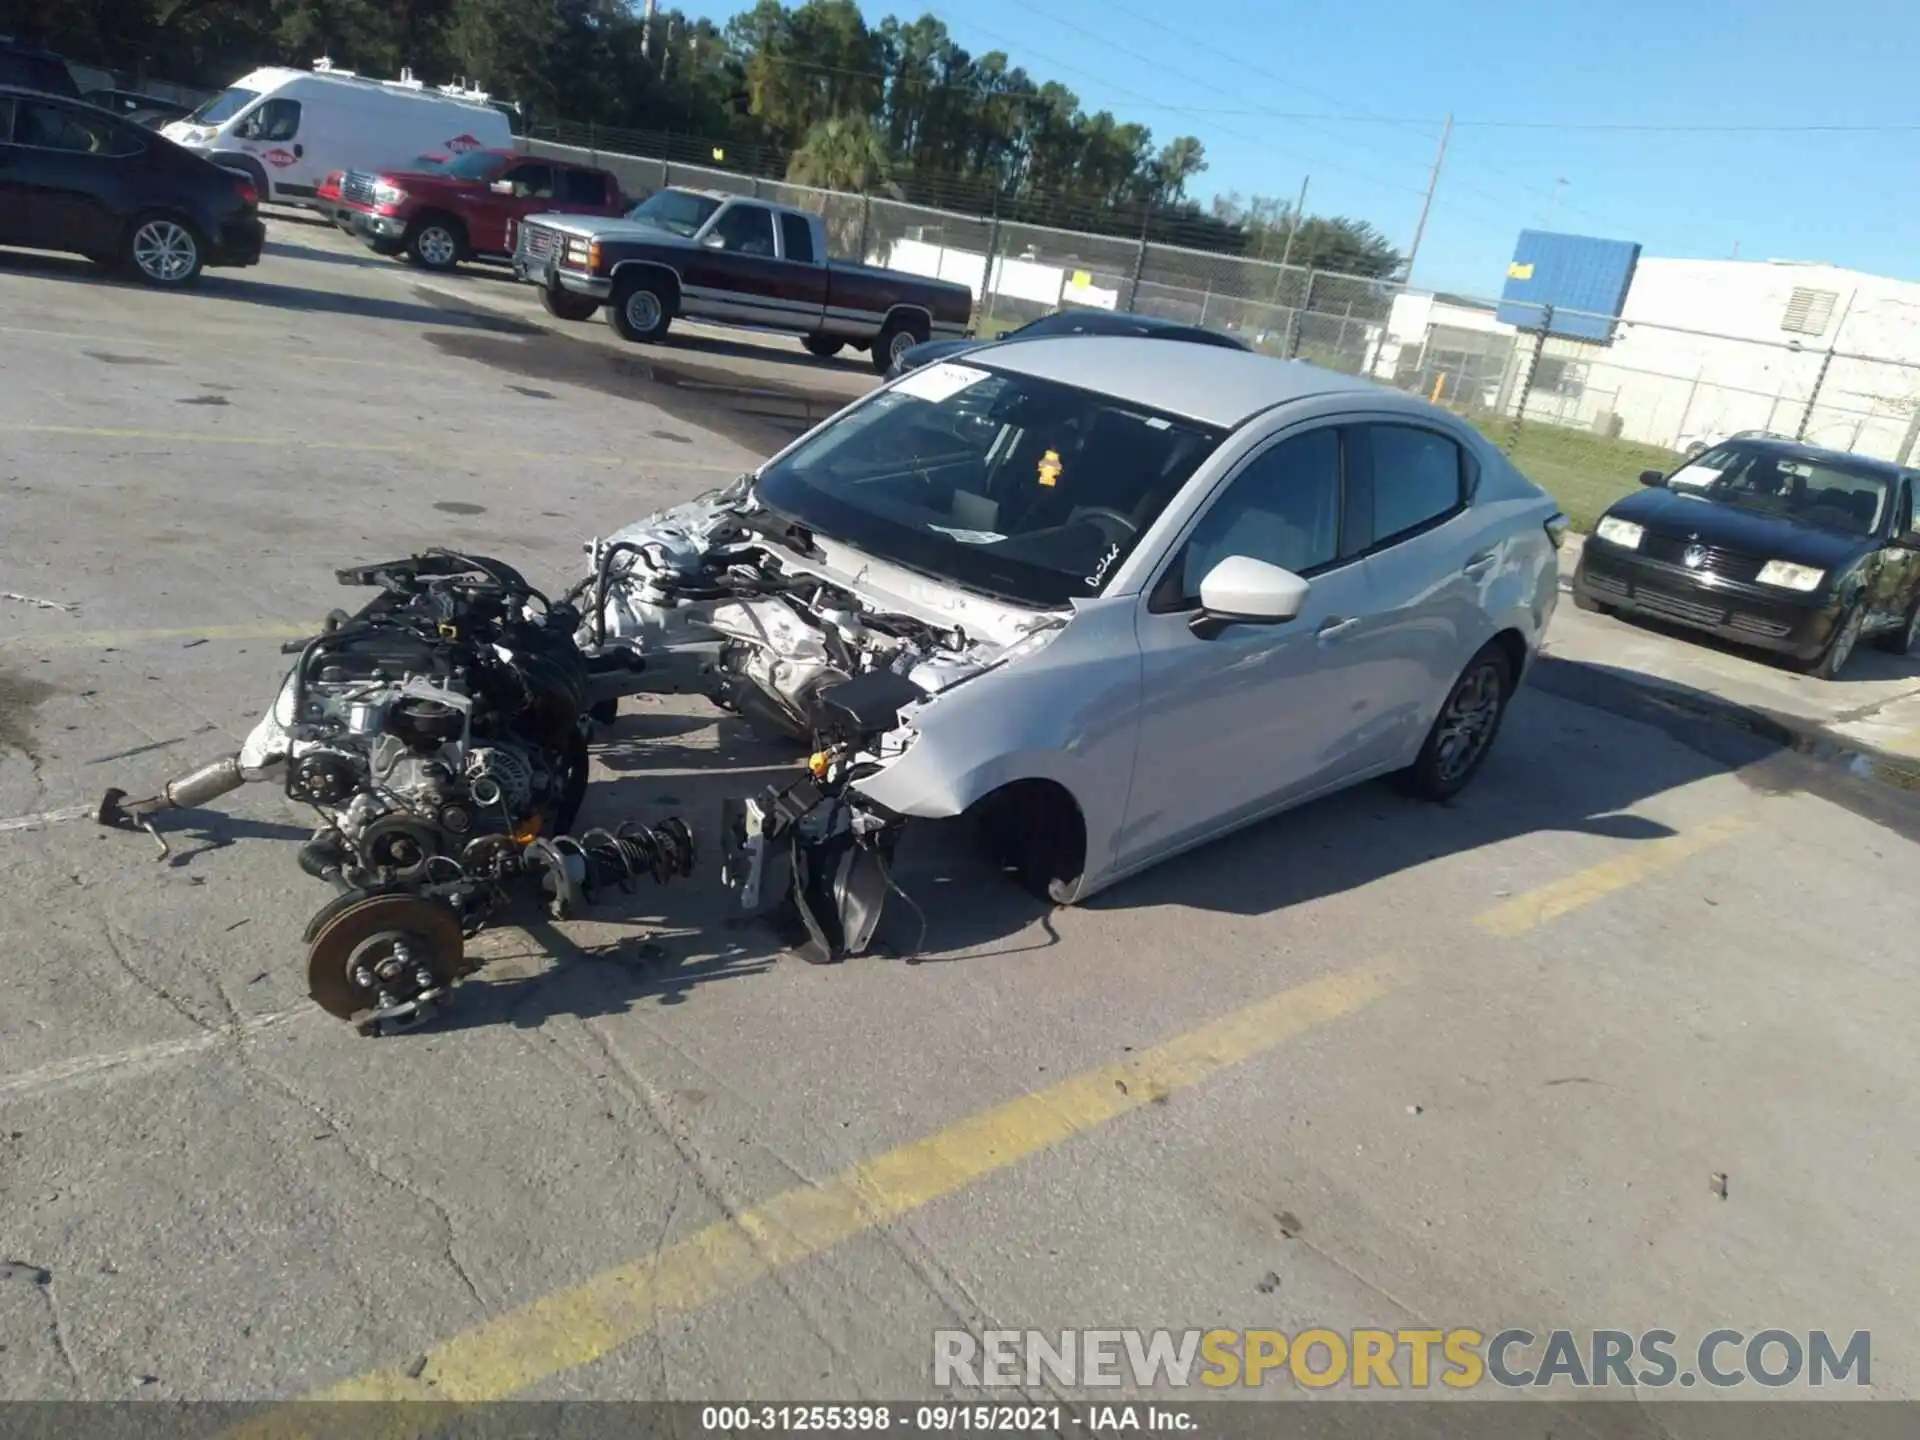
<point x="1695" y="556"/>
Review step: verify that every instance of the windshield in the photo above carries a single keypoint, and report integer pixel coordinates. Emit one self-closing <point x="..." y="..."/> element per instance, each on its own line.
<point x="1003" y="484"/>
<point x="224" y="106"/>
<point x="680" y="211"/>
<point x="1826" y="494"/>
<point x="474" y="165"/>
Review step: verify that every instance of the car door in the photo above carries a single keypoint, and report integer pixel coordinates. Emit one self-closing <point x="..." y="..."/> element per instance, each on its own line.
<point x="735" y="274"/>
<point x="13" y="186"/>
<point x="1260" y="715"/>
<point x="1429" y="558"/>
<point x="78" y="170"/>
<point x="271" y="134"/>
<point x="1898" y="567"/>
<point x="528" y="190"/>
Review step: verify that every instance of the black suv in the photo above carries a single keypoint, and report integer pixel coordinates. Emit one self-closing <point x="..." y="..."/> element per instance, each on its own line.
<point x="73" y="177"/>
<point x="1787" y="547"/>
<point x="33" y="69"/>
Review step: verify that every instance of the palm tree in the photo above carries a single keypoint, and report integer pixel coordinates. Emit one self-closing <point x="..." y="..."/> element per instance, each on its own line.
<point x="843" y="153"/>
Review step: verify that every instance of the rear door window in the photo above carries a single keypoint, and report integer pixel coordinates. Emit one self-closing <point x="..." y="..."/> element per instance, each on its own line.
<point x="583" y="187"/>
<point x="1419" y="479"/>
<point x="796" y="238"/>
<point x="54" y="127"/>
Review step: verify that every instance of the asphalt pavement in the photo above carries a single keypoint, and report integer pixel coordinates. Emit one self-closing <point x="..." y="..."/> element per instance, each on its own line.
<point x="1621" y="1038"/>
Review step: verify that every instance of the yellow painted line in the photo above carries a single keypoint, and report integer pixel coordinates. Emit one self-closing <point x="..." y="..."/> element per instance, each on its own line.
<point x="302" y="442"/>
<point x="576" y="1326"/>
<point x="127" y="639"/>
<point x="1523" y="912"/>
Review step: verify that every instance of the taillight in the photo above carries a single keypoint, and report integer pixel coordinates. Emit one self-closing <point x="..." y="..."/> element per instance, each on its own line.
<point x="1557" y="527"/>
<point x="248" y="195"/>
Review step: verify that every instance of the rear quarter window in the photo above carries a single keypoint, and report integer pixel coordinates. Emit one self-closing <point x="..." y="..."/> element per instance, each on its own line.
<point x="796" y="238"/>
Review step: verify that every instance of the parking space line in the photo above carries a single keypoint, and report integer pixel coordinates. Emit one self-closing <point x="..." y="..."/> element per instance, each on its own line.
<point x="302" y="442"/>
<point x="579" y="1325"/>
<point x="1522" y="913"/>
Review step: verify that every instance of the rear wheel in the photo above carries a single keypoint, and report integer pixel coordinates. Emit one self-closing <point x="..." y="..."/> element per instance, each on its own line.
<point x="823" y="347"/>
<point x="899" y="336"/>
<point x="1464" y="730"/>
<point x="640" y="310"/>
<point x="565" y="305"/>
<point x="1590" y="605"/>
<point x="165" y="250"/>
<point x="436" y="243"/>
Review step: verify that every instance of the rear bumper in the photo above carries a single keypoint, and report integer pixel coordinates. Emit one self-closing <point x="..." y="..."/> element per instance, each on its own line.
<point x="239" y="243"/>
<point x="1757" y="615"/>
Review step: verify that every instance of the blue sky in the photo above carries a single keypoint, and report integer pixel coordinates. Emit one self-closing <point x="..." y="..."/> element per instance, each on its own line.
<point x="1236" y="72"/>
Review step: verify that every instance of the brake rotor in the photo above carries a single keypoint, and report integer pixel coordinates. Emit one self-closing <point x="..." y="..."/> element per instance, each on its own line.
<point x="412" y="938"/>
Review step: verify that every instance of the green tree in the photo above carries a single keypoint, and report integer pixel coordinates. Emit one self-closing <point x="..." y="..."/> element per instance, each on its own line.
<point x="845" y="152"/>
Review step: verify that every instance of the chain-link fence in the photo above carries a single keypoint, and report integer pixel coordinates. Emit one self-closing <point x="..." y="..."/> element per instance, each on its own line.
<point x="1582" y="415"/>
<point x="1019" y="272"/>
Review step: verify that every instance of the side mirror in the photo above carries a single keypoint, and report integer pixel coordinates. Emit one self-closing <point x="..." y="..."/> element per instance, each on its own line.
<point x="714" y="242"/>
<point x="1653" y="478"/>
<point x="1243" y="591"/>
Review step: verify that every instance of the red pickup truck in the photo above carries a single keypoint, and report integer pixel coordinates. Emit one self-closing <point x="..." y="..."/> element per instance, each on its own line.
<point x="468" y="207"/>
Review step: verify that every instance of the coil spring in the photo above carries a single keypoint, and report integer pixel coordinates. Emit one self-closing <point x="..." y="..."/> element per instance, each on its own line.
<point x="661" y="852"/>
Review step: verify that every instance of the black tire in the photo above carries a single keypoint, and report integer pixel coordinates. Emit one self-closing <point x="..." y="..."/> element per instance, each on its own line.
<point x="1477" y="700"/>
<point x="641" y="309"/>
<point x="1590" y="605"/>
<point x="565" y="305"/>
<point x="437" y="243"/>
<point x="165" y="251"/>
<point x="1841" y="644"/>
<point x="1906" y="639"/>
<point x="822" y="347"/>
<point x="898" y="335"/>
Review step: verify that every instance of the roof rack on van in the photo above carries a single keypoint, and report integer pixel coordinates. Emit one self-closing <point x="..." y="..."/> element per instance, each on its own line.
<point x="459" y="90"/>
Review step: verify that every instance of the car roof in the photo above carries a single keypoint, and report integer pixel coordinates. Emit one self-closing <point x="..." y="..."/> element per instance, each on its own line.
<point x="1800" y="450"/>
<point x="1208" y="383"/>
<point x="17" y="92"/>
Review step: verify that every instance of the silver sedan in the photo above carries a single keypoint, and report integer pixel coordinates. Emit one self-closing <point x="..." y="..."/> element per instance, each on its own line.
<point x="1114" y="597"/>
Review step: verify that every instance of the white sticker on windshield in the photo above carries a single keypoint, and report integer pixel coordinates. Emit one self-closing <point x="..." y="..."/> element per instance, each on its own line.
<point x="1694" y="477"/>
<point x="970" y="537"/>
<point x="935" y="383"/>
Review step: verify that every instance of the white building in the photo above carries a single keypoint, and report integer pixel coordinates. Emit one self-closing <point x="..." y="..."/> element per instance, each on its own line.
<point x="1702" y="348"/>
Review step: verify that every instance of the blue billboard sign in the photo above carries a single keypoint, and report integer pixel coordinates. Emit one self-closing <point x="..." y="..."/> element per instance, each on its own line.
<point x="1585" y="280"/>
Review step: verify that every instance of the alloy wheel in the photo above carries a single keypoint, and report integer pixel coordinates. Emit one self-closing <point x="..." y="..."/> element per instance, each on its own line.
<point x="437" y="247"/>
<point x="165" y="251"/>
<point x="903" y="341"/>
<point x="1467" y="724"/>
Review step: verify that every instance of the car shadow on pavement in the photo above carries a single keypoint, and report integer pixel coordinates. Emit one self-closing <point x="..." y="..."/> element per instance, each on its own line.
<point x="855" y="363"/>
<point x="235" y="286"/>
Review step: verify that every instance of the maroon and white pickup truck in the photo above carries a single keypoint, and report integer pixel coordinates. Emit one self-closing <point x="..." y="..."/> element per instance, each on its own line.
<point x="467" y="206"/>
<point x="735" y="261"/>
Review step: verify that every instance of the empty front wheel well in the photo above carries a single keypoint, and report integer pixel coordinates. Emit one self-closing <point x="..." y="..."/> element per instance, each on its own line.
<point x="1035" y="830"/>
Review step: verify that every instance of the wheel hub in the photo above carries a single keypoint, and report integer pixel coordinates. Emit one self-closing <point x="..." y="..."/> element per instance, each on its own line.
<point x="384" y="960"/>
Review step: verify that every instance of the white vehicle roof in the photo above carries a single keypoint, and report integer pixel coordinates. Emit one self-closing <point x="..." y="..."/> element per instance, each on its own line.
<point x="1209" y="383"/>
<point x="270" y="78"/>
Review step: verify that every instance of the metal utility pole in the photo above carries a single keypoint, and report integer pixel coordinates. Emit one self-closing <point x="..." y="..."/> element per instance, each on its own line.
<point x="1433" y="183"/>
<point x="646" y="30"/>
<point x="1299" y="214"/>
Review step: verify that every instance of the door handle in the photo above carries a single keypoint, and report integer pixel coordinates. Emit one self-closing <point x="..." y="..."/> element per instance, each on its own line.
<point x="1478" y="565"/>
<point x="1334" y="629"/>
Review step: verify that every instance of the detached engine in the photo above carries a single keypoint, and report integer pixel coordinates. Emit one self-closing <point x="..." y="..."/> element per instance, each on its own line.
<point x="441" y="735"/>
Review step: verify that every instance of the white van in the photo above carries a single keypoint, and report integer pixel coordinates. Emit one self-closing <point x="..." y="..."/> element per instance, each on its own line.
<point x="289" y="129"/>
